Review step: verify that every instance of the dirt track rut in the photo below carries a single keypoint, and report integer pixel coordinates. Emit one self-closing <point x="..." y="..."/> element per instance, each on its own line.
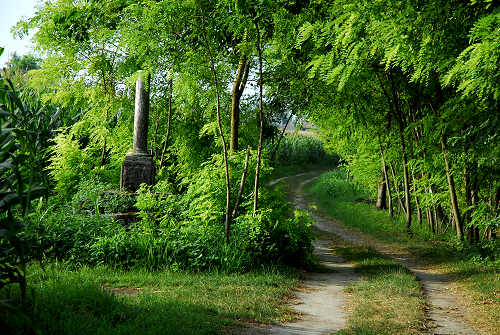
<point x="321" y="300"/>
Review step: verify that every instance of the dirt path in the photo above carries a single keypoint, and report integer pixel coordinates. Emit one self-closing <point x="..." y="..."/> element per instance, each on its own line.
<point x="443" y="312"/>
<point x="321" y="301"/>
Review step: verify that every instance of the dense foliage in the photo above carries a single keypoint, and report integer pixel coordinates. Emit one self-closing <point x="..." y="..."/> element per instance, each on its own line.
<point x="406" y="93"/>
<point x="415" y="114"/>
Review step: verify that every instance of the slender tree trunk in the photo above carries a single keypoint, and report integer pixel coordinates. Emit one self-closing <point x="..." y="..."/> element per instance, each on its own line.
<point x="468" y="203"/>
<point x="433" y="216"/>
<point x="437" y="223"/>
<point x="169" y="117"/>
<point x="396" y="187"/>
<point x="417" y="203"/>
<point x="386" y="177"/>
<point x="238" y="87"/>
<point x="492" y="233"/>
<point x="275" y="150"/>
<point x="381" y="193"/>
<point x="261" y="125"/>
<point x="399" y="115"/>
<point x="242" y="183"/>
<point x="440" y="217"/>
<point x="453" y="195"/>
<point x="430" y="220"/>
<point x="227" y="222"/>
<point x="406" y="182"/>
<point x="475" y="200"/>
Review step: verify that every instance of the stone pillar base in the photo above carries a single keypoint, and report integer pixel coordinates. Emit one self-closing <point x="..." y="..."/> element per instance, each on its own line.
<point x="137" y="168"/>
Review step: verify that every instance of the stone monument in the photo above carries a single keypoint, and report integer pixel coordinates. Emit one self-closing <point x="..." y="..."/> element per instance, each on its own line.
<point x="138" y="166"/>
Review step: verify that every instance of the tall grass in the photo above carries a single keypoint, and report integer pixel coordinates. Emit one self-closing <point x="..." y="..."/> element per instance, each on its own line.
<point x="302" y="149"/>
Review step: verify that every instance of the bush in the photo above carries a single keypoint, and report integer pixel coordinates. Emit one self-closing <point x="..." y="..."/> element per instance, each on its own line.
<point x="176" y="231"/>
<point x="68" y="163"/>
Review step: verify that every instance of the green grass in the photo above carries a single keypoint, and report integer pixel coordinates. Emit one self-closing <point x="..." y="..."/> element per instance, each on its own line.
<point x="340" y="199"/>
<point x="386" y="300"/>
<point x="103" y="300"/>
<point x="475" y="279"/>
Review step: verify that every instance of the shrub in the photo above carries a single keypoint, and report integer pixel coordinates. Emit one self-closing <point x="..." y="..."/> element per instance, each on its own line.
<point x="68" y="163"/>
<point x="174" y="234"/>
<point x="179" y="231"/>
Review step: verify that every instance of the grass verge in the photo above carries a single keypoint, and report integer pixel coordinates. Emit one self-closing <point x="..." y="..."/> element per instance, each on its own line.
<point x="102" y="300"/>
<point x="477" y="282"/>
<point x="386" y="300"/>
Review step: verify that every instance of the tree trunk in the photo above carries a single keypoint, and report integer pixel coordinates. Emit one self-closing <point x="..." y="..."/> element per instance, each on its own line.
<point x="440" y="217"/>
<point x="238" y="87"/>
<point x="417" y="203"/>
<point x="261" y="124"/>
<point x="396" y="187"/>
<point x="475" y="201"/>
<point x="453" y="195"/>
<point x="381" y="193"/>
<point x="400" y="117"/>
<point x="227" y="222"/>
<point x="433" y="223"/>
<point x="387" y="185"/>
<point x="169" y="117"/>
<point x="242" y="183"/>
<point x="492" y="232"/>
<point x="430" y="220"/>
<point x="468" y="204"/>
<point x="406" y="182"/>
<point x="275" y="150"/>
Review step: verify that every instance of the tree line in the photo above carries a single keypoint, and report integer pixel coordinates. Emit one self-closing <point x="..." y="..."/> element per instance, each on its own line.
<point x="406" y="92"/>
<point x="416" y="91"/>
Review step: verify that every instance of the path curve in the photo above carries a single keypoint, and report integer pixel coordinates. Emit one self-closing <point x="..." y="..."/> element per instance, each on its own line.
<point x="321" y="299"/>
<point x="444" y="313"/>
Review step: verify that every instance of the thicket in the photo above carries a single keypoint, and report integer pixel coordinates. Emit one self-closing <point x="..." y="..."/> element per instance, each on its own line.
<point x="175" y="231"/>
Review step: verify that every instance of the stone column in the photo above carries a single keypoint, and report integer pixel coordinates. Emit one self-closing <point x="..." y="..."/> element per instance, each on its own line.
<point x="138" y="165"/>
<point x="141" y="114"/>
